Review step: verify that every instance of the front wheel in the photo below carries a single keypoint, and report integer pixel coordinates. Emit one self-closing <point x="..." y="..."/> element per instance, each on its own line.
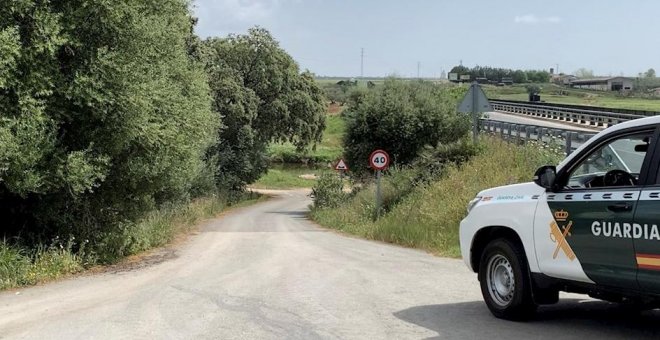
<point x="504" y="279"/>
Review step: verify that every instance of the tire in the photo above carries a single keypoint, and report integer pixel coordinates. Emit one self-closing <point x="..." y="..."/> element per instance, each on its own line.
<point x="505" y="282"/>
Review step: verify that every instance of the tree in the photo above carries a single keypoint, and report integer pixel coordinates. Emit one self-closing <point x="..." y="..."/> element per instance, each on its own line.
<point x="584" y="73"/>
<point x="496" y="74"/>
<point x="519" y="76"/>
<point x="650" y="73"/>
<point x="263" y="98"/>
<point x="538" y="76"/>
<point x="460" y="70"/>
<point x="401" y="118"/>
<point x="103" y="113"/>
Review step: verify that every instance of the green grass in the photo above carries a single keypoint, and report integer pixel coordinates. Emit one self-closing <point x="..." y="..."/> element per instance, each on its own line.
<point x="21" y="266"/>
<point x="327" y="151"/>
<point x="288" y="177"/>
<point x="551" y="94"/>
<point x="429" y="216"/>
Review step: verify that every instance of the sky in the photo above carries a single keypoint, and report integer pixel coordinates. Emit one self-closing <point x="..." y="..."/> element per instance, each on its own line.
<point x="327" y="36"/>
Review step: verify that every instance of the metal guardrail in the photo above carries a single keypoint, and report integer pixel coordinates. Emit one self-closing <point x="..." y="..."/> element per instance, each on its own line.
<point x="523" y="133"/>
<point x="645" y="113"/>
<point x="594" y="118"/>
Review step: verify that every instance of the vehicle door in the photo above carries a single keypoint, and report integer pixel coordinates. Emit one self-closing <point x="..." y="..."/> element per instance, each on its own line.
<point x="646" y="235"/>
<point x="582" y="230"/>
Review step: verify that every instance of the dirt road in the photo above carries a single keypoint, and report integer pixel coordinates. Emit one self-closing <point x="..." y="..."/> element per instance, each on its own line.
<point x="266" y="272"/>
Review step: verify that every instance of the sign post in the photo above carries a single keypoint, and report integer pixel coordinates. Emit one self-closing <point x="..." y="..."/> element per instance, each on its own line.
<point x="475" y="102"/>
<point x="379" y="160"/>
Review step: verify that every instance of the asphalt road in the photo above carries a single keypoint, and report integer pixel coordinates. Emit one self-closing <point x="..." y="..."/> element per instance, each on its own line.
<point x="549" y="123"/>
<point x="266" y="272"/>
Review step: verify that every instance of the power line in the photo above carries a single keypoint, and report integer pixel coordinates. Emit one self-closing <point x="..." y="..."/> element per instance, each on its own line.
<point x="418" y="67"/>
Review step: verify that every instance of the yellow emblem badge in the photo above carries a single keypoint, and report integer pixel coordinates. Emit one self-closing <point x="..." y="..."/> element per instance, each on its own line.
<point x="558" y="234"/>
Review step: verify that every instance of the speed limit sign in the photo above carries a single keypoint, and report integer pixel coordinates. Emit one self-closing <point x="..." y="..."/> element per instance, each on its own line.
<point x="379" y="160"/>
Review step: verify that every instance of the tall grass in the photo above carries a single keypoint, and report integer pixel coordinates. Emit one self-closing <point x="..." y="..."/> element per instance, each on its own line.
<point x="20" y="265"/>
<point x="428" y="217"/>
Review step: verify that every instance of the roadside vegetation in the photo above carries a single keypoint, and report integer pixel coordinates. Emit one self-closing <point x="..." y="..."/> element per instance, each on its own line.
<point x="425" y="214"/>
<point x="116" y="131"/>
<point x="291" y="176"/>
<point x="328" y="150"/>
<point x="25" y="264"/>
<point x="562" y="95"/>
<point x="436" y="169"/>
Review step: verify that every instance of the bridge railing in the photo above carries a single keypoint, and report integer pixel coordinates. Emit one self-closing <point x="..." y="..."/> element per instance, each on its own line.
<point x="566" y="114"/>
<point x="568" y="139"/>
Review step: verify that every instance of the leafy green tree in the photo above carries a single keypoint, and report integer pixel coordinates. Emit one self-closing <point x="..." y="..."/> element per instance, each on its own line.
<point x="650" y="73"/>
<point x="519" y="76"/>
<point x="262" y="96"/>
<point x="401" y="118"/>
<point x="103" y="113"/>
<point x="537" y="76"/>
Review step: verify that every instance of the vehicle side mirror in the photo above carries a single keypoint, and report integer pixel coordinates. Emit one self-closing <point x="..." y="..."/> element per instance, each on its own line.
<point x="545" y="176"/>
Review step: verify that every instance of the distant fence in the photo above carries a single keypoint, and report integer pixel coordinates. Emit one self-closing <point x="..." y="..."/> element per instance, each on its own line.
<point x="523" y="133"/>
<point x="591" y="116"/>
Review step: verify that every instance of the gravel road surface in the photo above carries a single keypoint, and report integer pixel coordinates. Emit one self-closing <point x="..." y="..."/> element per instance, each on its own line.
<point x="265" y="272"/>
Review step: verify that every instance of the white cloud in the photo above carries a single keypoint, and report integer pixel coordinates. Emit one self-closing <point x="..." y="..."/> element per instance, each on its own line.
<point x="533" y="19"/>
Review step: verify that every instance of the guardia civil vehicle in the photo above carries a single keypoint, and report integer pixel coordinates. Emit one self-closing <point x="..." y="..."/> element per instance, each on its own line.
<point x="588" y="225"/>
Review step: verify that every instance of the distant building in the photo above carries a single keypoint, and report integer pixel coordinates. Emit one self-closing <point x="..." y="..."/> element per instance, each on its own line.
<point x="562" y="79"/>
<point x="604" y="84"/>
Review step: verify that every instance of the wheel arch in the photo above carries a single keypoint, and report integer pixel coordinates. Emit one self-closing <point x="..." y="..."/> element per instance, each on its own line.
<point x="485" y="235"/>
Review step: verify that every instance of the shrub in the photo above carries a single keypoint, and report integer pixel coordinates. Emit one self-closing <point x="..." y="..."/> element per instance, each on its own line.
<point x="328" y="191"/>
<point x="100" y="120"/>
<point x="401" y="118"/>
<point x="432" y="162"/>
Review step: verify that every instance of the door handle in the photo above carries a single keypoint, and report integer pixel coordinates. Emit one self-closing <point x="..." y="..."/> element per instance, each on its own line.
<point x="620" y="207"/>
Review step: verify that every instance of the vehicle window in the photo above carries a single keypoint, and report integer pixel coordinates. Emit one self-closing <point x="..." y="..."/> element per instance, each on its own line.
<point x="617" y="163"/>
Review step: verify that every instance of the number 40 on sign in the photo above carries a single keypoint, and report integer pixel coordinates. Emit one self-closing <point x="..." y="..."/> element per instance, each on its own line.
<point x="379" y="160"/>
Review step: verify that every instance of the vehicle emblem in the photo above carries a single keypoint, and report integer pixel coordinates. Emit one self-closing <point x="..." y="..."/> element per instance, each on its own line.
<point x="558" y="234"/>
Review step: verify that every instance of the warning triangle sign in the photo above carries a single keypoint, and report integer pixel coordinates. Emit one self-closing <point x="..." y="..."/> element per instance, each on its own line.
<point x="475" y="100"/>
<point x="341" y="165"/>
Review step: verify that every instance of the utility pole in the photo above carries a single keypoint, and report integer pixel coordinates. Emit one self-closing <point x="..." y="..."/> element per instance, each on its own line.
<point x="362" y="62"/>
<point x="418" y="67"/>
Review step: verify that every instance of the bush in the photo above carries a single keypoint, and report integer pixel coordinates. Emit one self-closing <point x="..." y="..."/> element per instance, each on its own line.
<point x="100" y="120"/>
<point x="328" y="191"/>
<point x="432" y="162"/>
<point x="401" y="117"/>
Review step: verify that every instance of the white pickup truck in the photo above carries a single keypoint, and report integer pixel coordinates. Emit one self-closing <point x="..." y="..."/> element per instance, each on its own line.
<point x="588" y="225"/>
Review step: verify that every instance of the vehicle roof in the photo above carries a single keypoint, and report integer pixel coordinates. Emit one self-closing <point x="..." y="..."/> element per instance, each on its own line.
<point x="655" y="120"/>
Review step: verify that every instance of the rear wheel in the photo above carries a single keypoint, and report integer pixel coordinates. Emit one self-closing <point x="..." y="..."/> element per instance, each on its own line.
<point x="504" y="279"/>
